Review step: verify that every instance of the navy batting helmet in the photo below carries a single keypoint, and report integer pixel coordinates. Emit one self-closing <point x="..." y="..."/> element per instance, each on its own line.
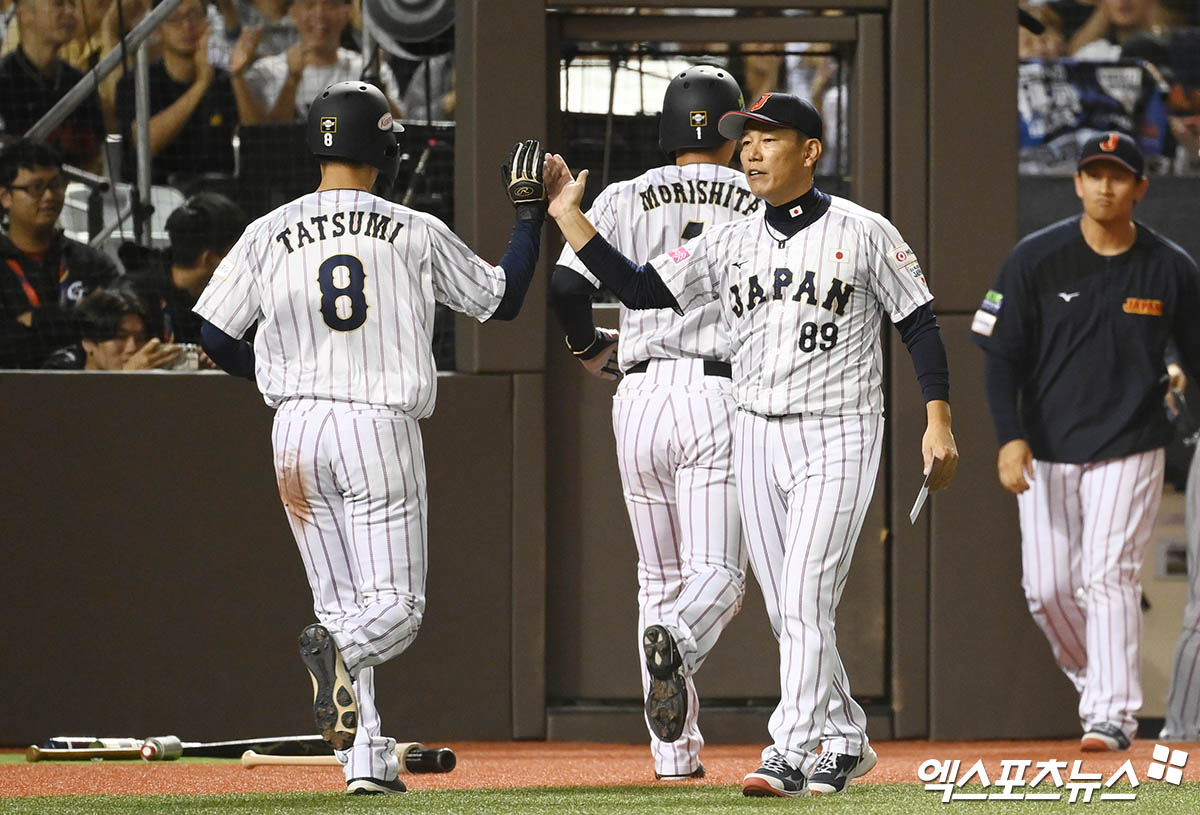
<point x="353" y="121"/>
<point x="693" y="103"/>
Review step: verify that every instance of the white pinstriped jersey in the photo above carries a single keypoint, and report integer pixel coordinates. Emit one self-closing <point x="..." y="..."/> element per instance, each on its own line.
<point x="342" y="285"/>
<point x="644" y="217"/>
<point x="804" y="317"/>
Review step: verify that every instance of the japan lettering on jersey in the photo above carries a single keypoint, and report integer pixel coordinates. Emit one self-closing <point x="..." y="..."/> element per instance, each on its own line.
<point x="804" y="318"/>
<point x="650" y="214"/>
<point x="342" y="285"/>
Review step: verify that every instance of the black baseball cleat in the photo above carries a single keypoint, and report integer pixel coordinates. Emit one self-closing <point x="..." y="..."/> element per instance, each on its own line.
<point x="667" y="701"/>
<point x="334" y="706"/>
<point x="696" y="773"/>
<point x="775" y="777"/>
<point x="1103" y="737"/>
<point x="374" y="786"/>
<point x="835" y="770"/>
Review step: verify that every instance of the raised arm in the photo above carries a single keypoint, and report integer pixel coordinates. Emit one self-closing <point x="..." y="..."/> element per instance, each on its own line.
<point x="638" y="287"/>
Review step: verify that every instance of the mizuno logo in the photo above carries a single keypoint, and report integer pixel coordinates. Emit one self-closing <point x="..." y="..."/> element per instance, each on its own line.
<point x="737" y="264"/>
<point x="1068" y="296"/>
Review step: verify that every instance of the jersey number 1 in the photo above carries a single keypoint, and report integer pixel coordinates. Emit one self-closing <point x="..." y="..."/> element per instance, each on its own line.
<point x="343" y="301"/>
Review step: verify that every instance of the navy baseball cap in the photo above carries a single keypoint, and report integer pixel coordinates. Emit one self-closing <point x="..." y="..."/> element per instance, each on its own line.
<point x="780" y="109"/>
<point x="1114" y="146"/>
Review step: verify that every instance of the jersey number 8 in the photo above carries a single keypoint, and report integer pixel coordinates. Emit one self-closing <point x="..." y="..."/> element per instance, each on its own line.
<point x="343" y="301"/>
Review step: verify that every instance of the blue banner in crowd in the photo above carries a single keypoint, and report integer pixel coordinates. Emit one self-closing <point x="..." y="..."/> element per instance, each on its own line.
<point x="1063" y="102"/>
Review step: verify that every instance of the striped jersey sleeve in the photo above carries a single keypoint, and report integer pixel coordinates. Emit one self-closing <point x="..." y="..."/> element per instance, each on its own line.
<point x="895" y="275"/>
<point x="461" y="279"/>
<point x="231" y="300"/>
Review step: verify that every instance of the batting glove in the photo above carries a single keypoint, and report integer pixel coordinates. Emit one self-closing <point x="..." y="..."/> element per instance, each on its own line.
<point x="521" y="175"/>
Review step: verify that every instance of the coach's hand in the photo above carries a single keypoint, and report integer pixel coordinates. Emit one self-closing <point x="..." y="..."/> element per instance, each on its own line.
<point x="1014" y="464"/>
<point x="565" y="191"/>
<point x="938" y="447"/>
<point x="521" y="175"/>
<point x="600" y="358"/>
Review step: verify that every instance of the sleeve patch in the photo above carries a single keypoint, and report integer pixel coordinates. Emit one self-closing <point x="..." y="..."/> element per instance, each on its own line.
<point x="679" y="255"/>
<point x="900" y="256"/>
<point x="983" y="323"/>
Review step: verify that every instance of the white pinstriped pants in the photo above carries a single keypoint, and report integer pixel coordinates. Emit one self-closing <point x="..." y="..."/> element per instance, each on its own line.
<point x="352" y="480"/>
<point x="673" y="427"/>
<point x="804" y="485"/>
<point x="1084" y="530"/>
<point x="1183" y="702"/>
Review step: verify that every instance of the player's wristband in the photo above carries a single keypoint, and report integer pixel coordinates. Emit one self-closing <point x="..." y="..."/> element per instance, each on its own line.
<point x="595" y="338"/>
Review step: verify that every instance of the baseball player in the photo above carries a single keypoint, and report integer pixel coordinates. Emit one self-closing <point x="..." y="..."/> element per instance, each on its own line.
<point x="673" y="411"/>
<point x="341" y="285"/>
<point x="1074" y="332"/>
<point x="1182" y="721"/>
<point x="802" y="289"/>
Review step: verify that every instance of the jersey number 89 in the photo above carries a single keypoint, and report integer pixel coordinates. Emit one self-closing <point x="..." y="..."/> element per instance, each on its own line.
<point x="343" y="301"/>
<point x="809" y="336"/>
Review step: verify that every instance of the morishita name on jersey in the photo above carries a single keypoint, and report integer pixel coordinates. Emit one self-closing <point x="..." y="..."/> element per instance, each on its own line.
<point x="717" y="193"/>
<point x="319" y="227"/>
<point x="835" y="300"/>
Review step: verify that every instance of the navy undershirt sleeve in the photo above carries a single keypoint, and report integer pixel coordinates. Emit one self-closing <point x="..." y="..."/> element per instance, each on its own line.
<point x="234" y="356"/>
<point x="1001" y="380"/>
<point x="571" y="295"/>
<point x="518" y="263"/>
<point x="923" y="338"/>
<point x="637" y="287"/>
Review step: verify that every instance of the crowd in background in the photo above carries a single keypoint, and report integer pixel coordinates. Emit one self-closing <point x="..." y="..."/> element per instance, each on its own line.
<point x="220" y="68"/>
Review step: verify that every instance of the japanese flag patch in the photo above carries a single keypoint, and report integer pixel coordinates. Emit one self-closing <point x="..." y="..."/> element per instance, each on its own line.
<point x="839" y="256"/>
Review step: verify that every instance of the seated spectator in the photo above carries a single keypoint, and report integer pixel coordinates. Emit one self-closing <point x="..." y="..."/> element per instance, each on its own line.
<point x="42" y="273"/>
<point x="281" y="87"/>
<point x="1047" y="45"/>
<point x="1113" y="22"/>
<point x="192" y="106"/>
<point x="113" y="337"/>
<point x="33" y="78"/>
<point x="267" y="20"/>
<point x="202" y="231"/>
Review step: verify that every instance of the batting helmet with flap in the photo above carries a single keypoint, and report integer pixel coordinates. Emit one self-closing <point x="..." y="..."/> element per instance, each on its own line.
<point x="694" y="101"/>
<point x="353" y="121"/>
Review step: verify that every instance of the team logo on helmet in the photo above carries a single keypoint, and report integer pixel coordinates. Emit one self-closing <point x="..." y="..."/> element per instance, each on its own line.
<point x="762" y="100"/>
<point x="329" y="124"/>
<point x="1110" y="142"/>
<point x="698" y="118"/>
<point x="385" y="122"/>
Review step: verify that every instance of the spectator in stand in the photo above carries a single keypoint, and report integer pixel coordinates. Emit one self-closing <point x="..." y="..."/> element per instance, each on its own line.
<point x="113" y="336"/>
<point x="193" y="112"/>
<point x="1050" y="44"/>
<point x="201" y="231"/>
<point x="280" y="88"/>
<point x="1113" y="22"/>
<point x="268" y="22"/>
<point x="43" y="274"/>
<point x="33" y="78"/>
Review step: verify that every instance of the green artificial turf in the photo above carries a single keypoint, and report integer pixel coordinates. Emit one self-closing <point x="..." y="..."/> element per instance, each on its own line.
<point x="861" y="799"/>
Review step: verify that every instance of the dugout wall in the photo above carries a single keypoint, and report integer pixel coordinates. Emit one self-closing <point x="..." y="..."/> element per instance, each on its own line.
<point x="154" y="579"/>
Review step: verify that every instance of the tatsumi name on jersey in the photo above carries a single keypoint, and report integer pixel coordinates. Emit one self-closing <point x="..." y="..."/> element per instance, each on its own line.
<point x="377" y="225"/>
<point x="717" y="193"/>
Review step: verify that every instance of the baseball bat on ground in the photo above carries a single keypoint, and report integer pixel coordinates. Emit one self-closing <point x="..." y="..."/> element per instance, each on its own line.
<point x="168" y="748"/>
<point x="413" y="756"/>
<point x="35" y="753"/>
